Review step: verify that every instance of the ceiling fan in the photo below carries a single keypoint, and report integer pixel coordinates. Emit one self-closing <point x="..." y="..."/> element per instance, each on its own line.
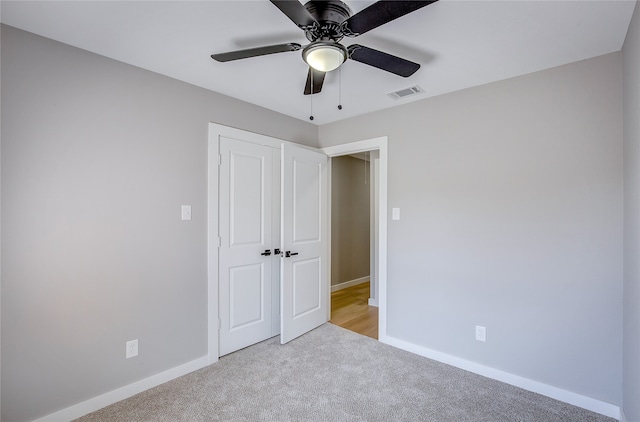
<point x="325" y="23"/>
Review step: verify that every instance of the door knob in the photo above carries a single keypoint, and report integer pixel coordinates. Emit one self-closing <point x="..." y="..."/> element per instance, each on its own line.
<point x="267" y="252"/>
<point x="289" y="254"/>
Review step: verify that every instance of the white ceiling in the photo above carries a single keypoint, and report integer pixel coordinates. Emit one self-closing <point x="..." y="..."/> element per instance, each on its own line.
<point x="459" y="43"/>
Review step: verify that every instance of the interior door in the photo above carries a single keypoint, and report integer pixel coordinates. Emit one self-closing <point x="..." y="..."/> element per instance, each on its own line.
<point x="304" y="282"/>
<point x="248" y="230"/>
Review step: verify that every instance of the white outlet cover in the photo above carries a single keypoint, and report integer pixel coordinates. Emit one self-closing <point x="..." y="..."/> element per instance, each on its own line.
<point x="481" y="333"/>
<point x="395" y="213"/>
<point x="131" y="349"/>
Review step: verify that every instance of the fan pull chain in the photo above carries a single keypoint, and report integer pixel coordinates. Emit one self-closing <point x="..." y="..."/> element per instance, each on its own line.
<point x="311" y="95"/>
<point x="340" y="88"/>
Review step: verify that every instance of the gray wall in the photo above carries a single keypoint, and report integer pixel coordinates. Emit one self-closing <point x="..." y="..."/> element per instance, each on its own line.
<point x="631" y="361"/>
<point x="350" y="228"/>
<point x="511" y="201"/>
<point x="511" y="197"/>
<point x="97" y="157"/>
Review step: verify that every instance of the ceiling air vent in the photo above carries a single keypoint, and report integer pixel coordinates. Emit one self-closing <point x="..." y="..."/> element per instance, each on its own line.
<point x="407" y="92"/>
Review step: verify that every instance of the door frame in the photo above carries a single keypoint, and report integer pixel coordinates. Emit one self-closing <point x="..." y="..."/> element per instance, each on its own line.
<point x="380" y="144"/>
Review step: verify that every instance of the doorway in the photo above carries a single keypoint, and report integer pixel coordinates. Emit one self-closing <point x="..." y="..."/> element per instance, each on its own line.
<point x="353" y="245"/>
<point x="378" y="291"/>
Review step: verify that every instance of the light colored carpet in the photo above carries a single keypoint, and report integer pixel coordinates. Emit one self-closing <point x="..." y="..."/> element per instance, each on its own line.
<point x="332" y="374"/>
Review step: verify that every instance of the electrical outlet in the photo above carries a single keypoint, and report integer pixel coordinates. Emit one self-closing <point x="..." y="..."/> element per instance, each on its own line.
<point x="481" y="333"/>
<point x="131" y="349"/>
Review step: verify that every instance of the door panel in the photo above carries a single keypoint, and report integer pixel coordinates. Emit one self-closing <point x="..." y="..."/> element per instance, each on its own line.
<point x="304" y="276"/>
<point x="306" y="201"/>
<point x="246" y="215"/>
<point x="246" y="290"/>
<point x="306" y="287"/>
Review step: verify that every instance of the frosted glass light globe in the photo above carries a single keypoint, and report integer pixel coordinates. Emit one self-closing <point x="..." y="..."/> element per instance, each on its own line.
<point x="324" y="57"/>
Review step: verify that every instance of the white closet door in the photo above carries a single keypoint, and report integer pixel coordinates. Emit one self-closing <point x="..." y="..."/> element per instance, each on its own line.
<point x="247" y="236"/>
<point x="304" y="266"/>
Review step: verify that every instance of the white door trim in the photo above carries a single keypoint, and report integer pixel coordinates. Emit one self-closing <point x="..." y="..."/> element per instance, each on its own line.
<point x="379" y="144"/>
<point x="213" y="323"/>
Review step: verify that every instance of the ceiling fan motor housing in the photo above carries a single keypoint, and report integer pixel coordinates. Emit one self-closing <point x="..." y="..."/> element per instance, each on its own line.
<point x="330" y="15"/>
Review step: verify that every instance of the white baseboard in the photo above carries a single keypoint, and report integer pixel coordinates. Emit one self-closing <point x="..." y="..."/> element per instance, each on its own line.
<point x="103" y="400"/>
<point x="373" y="302"/>
<point x="350" y="283"/>
<point x="575" y="399"/>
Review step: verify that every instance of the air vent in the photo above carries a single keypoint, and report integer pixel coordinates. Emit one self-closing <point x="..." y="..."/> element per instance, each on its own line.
<point x="407" y="92"/>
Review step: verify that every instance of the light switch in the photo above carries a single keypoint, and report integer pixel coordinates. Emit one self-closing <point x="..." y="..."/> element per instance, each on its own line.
<point x="395" y="213"/>
<point x="186" y="212"/>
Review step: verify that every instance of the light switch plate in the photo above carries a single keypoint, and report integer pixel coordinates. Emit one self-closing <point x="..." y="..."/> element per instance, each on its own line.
<point x="186" y="212"/>
<point x="395" y="213"/>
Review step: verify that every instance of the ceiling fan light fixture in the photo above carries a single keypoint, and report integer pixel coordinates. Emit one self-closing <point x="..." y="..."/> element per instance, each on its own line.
<point x="324" y="56"/>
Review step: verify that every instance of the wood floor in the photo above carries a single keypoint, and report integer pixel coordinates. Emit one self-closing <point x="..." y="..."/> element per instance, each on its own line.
<point x="350" y="309"/>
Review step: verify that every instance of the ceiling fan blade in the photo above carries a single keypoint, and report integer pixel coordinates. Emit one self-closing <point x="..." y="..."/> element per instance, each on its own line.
<point x="318" y="80"/>
<point x="253" y="52"/>
<point x="380" y="13"/>
<point x="296" y="12"/>
<point x="382" y="60"/>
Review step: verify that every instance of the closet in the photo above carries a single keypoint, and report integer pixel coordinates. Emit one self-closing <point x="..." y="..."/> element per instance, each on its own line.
<point x="272" y="236"/>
